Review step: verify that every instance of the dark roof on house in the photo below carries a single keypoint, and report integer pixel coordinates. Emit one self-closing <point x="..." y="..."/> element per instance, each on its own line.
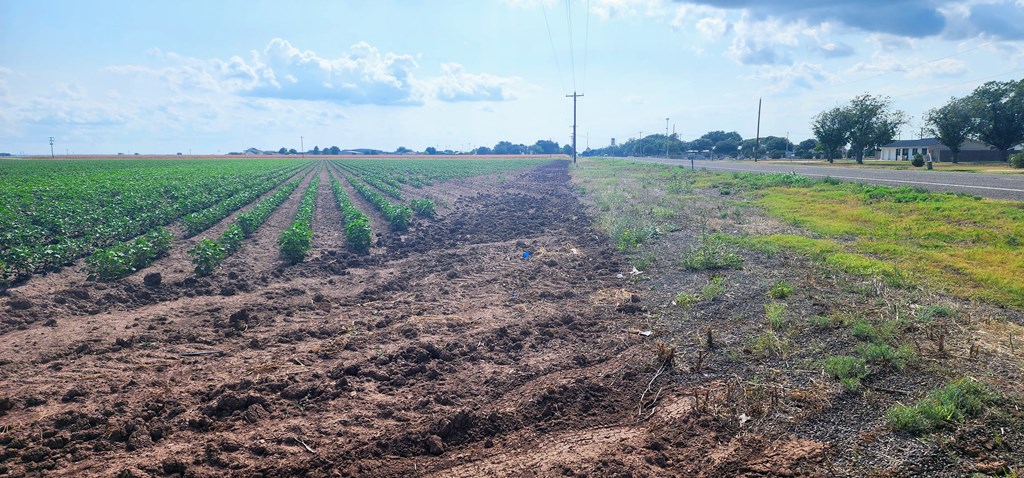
<point x="913" y="143"/>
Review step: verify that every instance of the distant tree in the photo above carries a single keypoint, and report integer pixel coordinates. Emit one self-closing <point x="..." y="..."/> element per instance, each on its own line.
<point x="567" y="149"/>
<point x="545" y="147"/>
<point x="292" y="151"/>
<point x="872" y="123"/>
<point x="700" y="144"/>
<point x="482" y="150"/>
<point x="951" y="124"/>
<point x="805" y="148"/>
<point x="727" y="147"/>
<point x="403" y="150"/>
<point x="334" y="150"/>
<point x="316" y="150"/>
<point x="719" y="136"/>
<point x="430" y="150"/>
<point x="832" y="130"/>
<point x="503" y="147"/>
<point x="282" y="151"/>
<point x="776" y="146"/>
<point x="998" y="107"/>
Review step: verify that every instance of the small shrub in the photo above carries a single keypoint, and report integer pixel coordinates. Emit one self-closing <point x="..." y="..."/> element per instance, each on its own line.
<point x="938" y="311"/>
<point x="231" y="239"/>
<point x="918" y="161"/>
<point x="780" y="290"/>
<point x="685" y="300"/>
<point x="712" y="290"/>
<point x="820" y="322"/>
<point x="848" y="370"/>
<point x="775" y="312"/>
<point x="950" y="404"/>
<point x="357" y="233"/>
<point x="1017" y="160"/>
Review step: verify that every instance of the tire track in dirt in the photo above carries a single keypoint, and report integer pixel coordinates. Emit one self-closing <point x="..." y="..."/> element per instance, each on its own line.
<point x="328" y="224"/>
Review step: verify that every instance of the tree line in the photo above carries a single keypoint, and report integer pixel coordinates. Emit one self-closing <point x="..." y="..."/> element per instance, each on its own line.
<point x="992" y="114"/>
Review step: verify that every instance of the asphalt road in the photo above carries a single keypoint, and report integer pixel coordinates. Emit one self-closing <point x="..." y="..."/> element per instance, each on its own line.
<point x="990" y="185"/>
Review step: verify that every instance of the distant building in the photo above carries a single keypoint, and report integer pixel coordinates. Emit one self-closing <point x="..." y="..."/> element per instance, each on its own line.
<point x="905" y="150"/>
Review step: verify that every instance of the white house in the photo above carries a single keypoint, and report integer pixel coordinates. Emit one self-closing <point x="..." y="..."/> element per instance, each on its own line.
<point x="906" y="149"/>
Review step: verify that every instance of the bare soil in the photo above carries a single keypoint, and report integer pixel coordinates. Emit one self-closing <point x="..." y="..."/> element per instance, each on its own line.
<point x="444" y="352"/>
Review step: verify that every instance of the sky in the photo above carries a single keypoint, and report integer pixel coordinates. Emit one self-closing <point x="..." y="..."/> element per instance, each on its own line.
<point x="202" y="77"/>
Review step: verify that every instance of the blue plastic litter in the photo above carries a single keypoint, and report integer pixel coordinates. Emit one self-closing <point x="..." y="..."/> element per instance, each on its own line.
<point x="526" y="255"/>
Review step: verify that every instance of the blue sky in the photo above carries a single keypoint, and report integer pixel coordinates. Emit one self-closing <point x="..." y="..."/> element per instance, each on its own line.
<point x="166" y="77"/>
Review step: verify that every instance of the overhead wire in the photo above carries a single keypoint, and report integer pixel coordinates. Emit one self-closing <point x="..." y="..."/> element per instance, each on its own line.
<point x="554" y="51"/>
<point x="586" y="49"/>
<point x="572" y="43"/>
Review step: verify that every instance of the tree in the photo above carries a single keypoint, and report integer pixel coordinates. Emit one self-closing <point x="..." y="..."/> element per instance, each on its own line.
<point x="727" y="147"/>
<point x="316" y="150"/>
<point x="872" y="123"/>
<point x="282" y="151"/>
<point x="482" y="150"/>
<point x="403" y="150"/>
<point x="831" y="129"/>
<point x="998" y="107"/>
<point x="701" y="144"/>
<point x="545" y="147"/>
<point x="719" y="136"/>
<point x="567" y="149"/>
<point x="292" y="151"/>
<point x="430" y="150"/>
<point x="805" y="148"/>
<point x="951" y="124"/>
<point x="333" y="150"/>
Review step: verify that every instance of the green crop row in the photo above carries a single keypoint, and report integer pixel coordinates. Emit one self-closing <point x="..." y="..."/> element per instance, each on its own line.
<point x="200" y="221"/>
<point x="397" y="215"/>
<point x="207" y="254"/>
<point x="377" y="178"/>
<point x="123" y="259"/>
<point x="53" y="212"/>
<point x="357" y="224"/>
<point x="296" y="241"/>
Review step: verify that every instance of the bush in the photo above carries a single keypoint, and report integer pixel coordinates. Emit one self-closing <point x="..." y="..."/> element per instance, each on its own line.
<point x="885" y="353"/>
<point x="713" y="289"/>
<point x="685" y="300"/>
<point x="357" y="233"/>
<point x="775" y="312"/>
<point x="1017" y="160"/>
<point x="295" y="242"/>
<point x="918" y="161"/>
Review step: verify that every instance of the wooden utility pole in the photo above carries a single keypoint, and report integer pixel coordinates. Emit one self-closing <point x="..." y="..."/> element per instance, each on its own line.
<point x="574" y="96"/>
<point x="757" y="142"/>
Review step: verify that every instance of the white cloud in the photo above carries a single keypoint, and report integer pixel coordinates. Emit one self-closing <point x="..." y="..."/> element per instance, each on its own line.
<point x="712" y="28"/>
<point x="945" y="68"/>
<point x="798" y="76"/>
<point x="457" y="85"/>
<point x="363" y="75"/>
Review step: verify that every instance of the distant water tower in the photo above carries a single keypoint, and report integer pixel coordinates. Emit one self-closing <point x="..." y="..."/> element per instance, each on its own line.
<point x="613" y="141"/>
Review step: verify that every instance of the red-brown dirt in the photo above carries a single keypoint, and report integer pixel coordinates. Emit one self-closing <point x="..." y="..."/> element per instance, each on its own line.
<point x="443" y="353"/>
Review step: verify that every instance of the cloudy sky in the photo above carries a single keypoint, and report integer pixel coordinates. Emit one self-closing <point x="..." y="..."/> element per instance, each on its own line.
<point x="218" y="76"/>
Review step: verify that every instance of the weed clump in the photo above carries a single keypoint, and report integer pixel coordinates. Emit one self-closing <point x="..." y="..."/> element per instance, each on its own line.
<point x="848" y="370"/>
<point x="775" y="312"/>
<point x="711" y="253"/>
<point x="898" y="357"/>
<point x="780" y="290"/>
<point x="948" y="405"/>
<point x="712" y="290"/>
<point x="685" y="300"/>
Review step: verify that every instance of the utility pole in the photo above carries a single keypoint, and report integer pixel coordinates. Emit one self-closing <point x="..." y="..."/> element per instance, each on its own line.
<point x="757" y="142"/>
<point x="51" y="148"/>
<point x="666" y="138"/>
<point x="574" y="96"/>
<point x="641" y="144"/>
<point x="302" y="147"/>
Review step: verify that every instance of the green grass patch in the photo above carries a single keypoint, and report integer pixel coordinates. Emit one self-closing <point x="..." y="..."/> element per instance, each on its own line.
<point x="780" y="290"/>
<point x="712" y="252"/>
<point x="848" y="370"/>
<point x="943" y="407"/>
<point x="713" y="289"/>
<point x="685" y="300"/>
<point x="775" y="312"/>
<point x="885" y="354"/>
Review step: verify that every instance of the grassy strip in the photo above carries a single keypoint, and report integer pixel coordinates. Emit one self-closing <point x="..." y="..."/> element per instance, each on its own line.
<point x="207" y="254"/>
<point x="296" y="241"/>
<point x="965" y="245"/>
<point x="127" y="257"/>
<point x="357" y="224"/>
<point x="397" y="215"/>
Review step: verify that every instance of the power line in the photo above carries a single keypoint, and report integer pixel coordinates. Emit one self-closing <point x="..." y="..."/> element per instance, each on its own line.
<point x="586" y="49"/>
<point x="572" y="43"/>
<point x="558" y="66"/>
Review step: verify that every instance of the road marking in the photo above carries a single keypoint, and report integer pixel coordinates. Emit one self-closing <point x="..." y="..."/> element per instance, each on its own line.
<point x="992" y="188"/>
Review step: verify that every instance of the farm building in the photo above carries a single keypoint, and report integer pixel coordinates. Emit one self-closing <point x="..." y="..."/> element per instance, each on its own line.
<point x="906" y="149"/>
